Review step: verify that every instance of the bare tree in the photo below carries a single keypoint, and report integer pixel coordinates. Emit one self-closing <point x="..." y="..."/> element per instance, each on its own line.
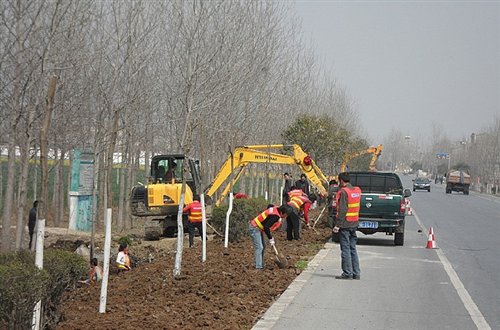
<point x="149" y="77"/>
<point x="44" y="150"/>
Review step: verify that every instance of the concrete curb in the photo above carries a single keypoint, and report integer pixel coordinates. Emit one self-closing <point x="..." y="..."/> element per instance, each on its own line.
<point x="272" y="315"/>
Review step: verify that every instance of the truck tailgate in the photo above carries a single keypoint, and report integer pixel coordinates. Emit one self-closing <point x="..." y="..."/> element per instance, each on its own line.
<point x="380" y="206"/>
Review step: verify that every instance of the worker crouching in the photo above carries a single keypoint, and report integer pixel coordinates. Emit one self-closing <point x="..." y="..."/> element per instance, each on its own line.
<point x="265" y="223"/>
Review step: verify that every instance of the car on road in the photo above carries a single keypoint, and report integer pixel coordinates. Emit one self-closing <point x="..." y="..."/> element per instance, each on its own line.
<point x="422" y="184"/>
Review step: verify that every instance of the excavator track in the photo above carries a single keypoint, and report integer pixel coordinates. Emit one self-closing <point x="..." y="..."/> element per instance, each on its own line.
<point x="153" y="230"/>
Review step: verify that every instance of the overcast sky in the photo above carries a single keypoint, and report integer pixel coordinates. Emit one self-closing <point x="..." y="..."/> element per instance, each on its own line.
<point x="409" y="64"/>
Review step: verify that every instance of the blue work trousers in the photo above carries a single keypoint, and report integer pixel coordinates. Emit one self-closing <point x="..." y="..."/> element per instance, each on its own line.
<point x="259" y="246"/>
<point x="349" y="254"/>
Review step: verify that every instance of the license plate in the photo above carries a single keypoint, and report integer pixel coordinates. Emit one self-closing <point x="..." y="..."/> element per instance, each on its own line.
<point x="368" y="224"/>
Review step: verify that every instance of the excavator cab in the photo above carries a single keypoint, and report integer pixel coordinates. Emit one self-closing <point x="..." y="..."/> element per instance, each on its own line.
<point x="161" y="196"/>
<point x="164" y="169"/>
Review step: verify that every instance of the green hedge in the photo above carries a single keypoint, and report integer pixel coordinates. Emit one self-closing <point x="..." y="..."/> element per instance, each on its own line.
<point x="22" y="284"/>
<point x="244" y="210"/>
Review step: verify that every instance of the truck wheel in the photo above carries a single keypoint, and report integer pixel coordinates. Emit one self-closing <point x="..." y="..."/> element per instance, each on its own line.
<point x="399" y="239"/>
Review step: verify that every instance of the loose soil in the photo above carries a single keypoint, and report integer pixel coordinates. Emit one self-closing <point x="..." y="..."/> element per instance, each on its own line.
<point x="225" y="292"/>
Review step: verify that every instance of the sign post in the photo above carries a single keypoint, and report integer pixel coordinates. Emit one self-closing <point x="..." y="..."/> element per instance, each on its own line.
<point x="82" y="179"/>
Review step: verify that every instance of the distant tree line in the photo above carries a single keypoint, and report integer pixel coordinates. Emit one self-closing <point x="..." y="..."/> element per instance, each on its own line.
<point x="477" y="153"/>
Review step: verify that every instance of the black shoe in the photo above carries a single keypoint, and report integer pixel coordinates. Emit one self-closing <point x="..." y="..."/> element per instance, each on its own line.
<point x="343" y="277"/>
<point x="356" y="277"/>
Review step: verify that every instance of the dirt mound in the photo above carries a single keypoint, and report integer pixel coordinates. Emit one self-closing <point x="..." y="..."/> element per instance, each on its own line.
<point x="225" y="292"/>
<point x="67" y="245"/>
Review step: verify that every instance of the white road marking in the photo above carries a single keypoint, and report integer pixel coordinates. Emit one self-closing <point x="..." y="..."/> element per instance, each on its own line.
<point x="464" y="295"/>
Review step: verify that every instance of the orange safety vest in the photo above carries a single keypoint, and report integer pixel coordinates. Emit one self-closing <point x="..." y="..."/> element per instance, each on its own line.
<point x="298" y="201"/>
<point x="194" y="209"/>
<point x="295" y="192"/>
<point x="353" y="203"/>
<point x="258" y="220"/>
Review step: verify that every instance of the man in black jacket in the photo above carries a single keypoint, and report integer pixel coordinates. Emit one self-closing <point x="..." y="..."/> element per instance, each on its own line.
<point x="303" y="184"/>
<point x="287" y="185"/>
<point x="32" y="221"/>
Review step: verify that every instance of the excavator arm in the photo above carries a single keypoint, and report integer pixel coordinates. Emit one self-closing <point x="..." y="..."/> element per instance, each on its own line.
<point x="372" y="167"/>
<point x="375" y="151"/>
<point x="256" y="154"/>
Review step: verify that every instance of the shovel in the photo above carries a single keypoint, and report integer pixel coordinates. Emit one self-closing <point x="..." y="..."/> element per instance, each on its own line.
<point x="280" y="259"/>
<point x="319" y="217"/>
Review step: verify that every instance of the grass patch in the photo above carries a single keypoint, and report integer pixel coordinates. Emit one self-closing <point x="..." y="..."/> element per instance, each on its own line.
<point x="301" y="264"/>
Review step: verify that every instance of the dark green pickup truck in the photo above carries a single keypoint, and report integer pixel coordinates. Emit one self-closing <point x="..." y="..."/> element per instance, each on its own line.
<point x="383" y="205"/>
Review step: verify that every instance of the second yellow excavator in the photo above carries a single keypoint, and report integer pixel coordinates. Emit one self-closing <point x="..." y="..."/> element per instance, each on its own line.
<point x="372" y="167"/>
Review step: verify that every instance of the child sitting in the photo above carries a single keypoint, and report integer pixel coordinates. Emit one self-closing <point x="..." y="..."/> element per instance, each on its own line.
<point x="95" y="273"/>
<point x="123" y="260"/>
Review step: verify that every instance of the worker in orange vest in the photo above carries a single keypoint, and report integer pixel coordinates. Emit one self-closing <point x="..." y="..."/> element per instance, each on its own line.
<point x="194" y="218"/>
<point x="267" y="221"/>
<point x="346" y="224"/>
<point x="296" y="206"/>
<point x="294" y="191"/>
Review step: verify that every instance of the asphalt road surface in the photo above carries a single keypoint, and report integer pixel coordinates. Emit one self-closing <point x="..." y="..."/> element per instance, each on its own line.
<point x="466" y="230"/>
<point x="456" y="286"/>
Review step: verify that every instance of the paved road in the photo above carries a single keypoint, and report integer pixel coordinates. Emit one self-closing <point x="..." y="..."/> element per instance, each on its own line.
<point x="467" y="229"/>
<point x="409" y="287"/>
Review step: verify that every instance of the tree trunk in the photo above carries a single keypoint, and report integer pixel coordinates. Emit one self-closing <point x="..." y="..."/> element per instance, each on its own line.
<point x="59" y="187"/>
<point x="22" y="190"/>
<point x="44" y="150"/>
<point x="133" y="165"/>
<point x="55" y="187"/>
<point x="1" y="185"/>
<point x="103" y="196"/>
<point x="180" y="231"/>
<point x="35" y="177"/>
<point x="109" y="162"/>
<point x="11" y="137"/>
<point x="95" y="211"/>
<point x="100" y="191"/>
<point x="121" y="202"/>
<point x="9" y="196"/>
<point x="251" y="183"/>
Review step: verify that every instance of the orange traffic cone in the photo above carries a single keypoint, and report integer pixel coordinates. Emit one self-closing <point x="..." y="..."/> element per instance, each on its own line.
<point x="431" y="243"/>
<point x="409" y="209"/>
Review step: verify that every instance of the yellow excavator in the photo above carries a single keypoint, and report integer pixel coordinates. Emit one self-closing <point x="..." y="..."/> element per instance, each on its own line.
<point x="160" y="197"/>
<point x="238" y="159"/>
<point x="372" y="167"/>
